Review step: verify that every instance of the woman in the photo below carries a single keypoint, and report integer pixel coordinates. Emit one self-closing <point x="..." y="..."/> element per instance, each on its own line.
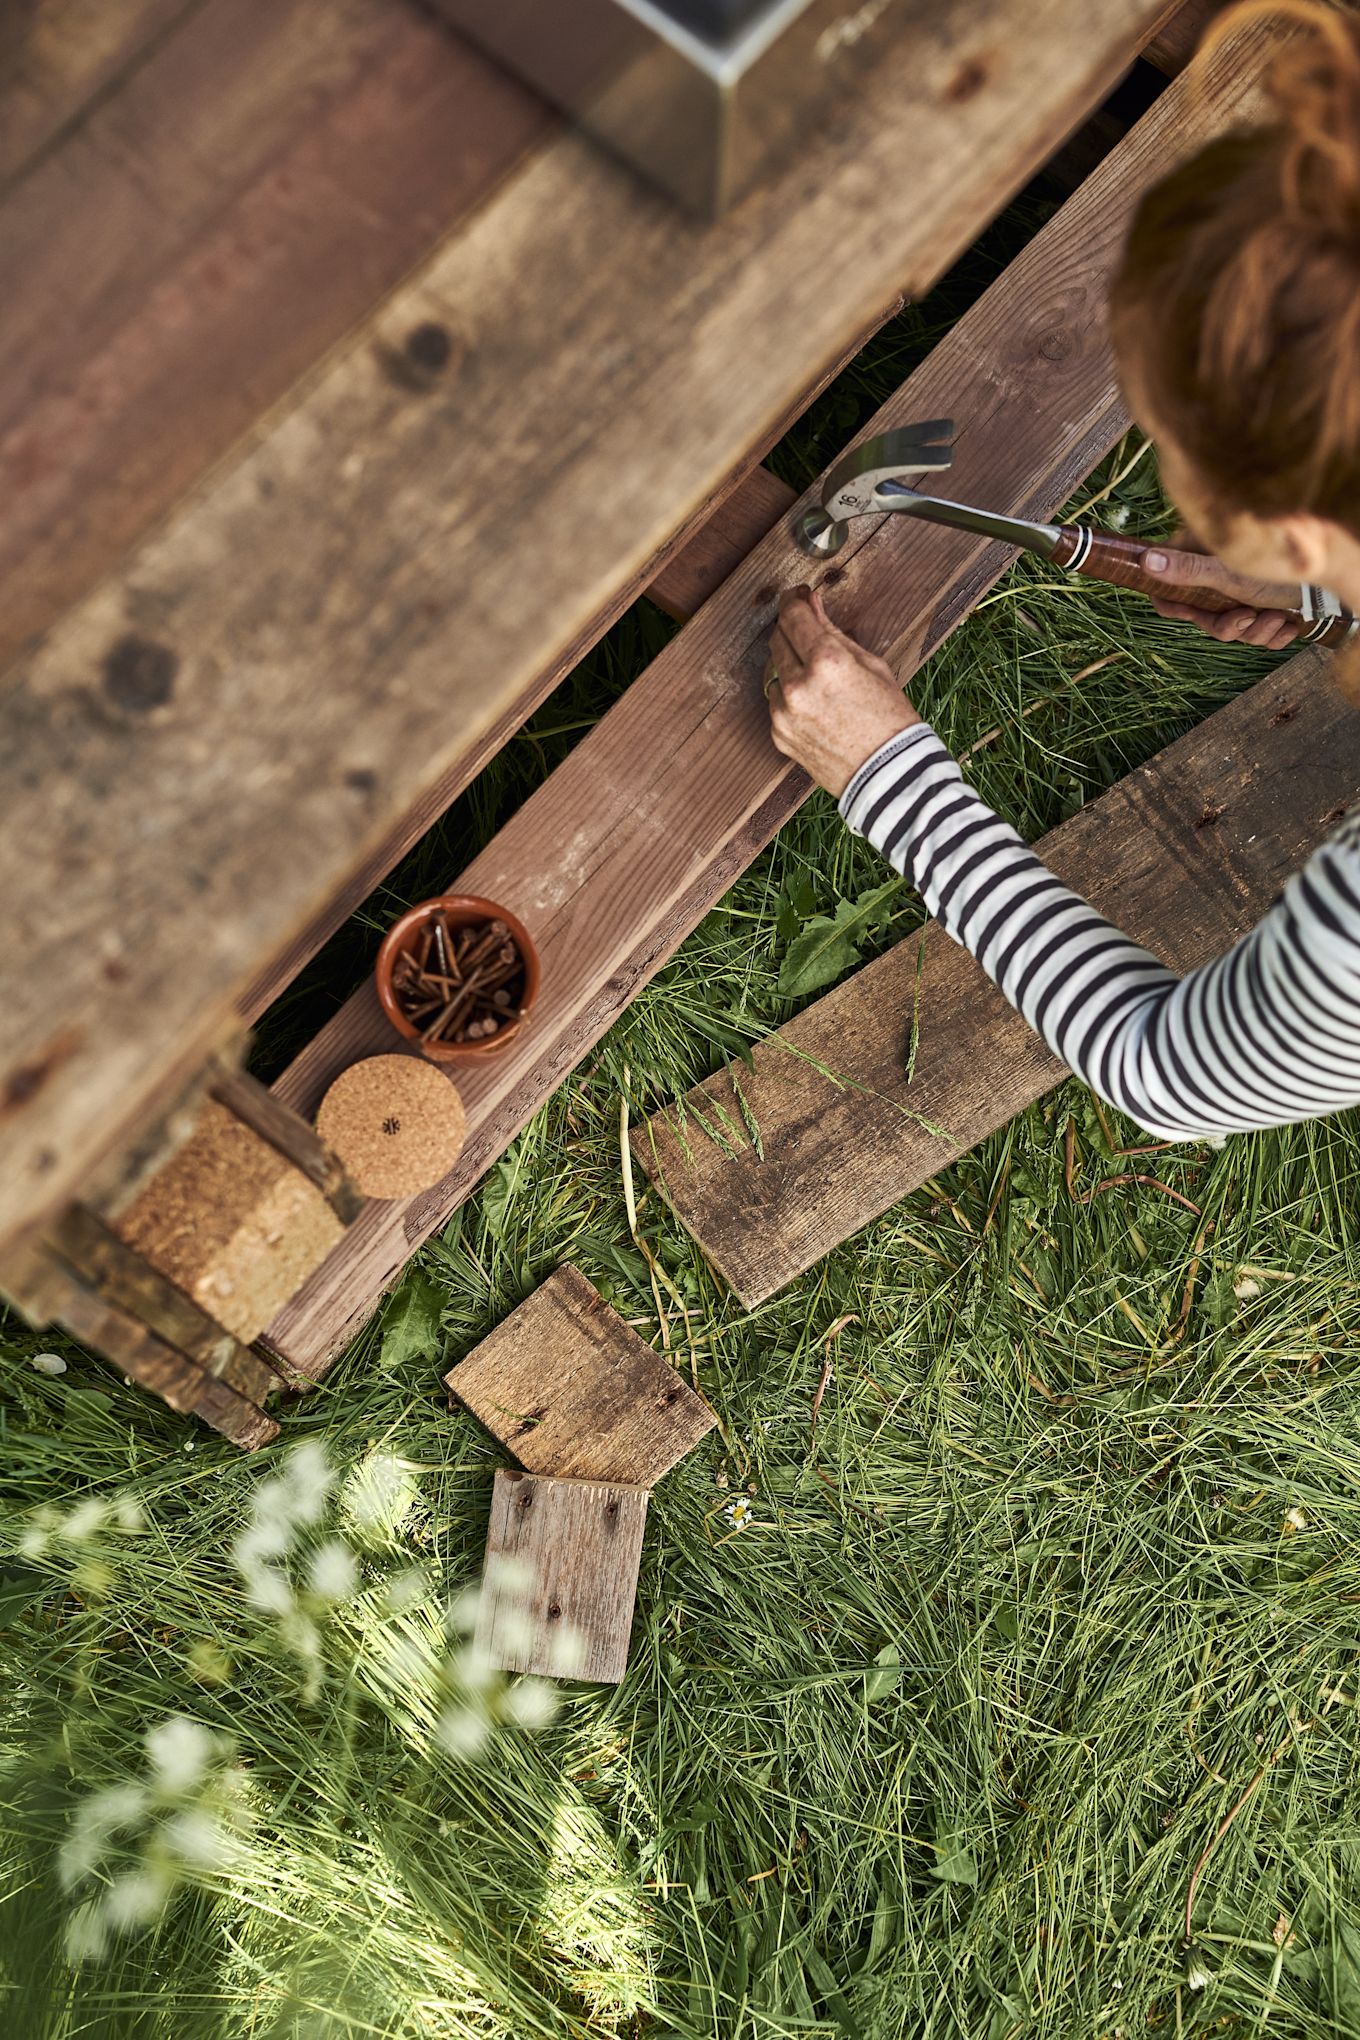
<point x="1236" y="318"/>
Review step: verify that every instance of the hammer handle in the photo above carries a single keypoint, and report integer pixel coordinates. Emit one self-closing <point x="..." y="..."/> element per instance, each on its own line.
<point x="1102" y="557"/>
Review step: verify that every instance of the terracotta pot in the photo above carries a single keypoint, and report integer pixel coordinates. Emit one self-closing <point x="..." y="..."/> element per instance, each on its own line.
<point x="459" y="910"/>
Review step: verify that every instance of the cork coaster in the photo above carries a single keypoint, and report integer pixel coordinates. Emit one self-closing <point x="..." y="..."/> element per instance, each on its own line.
<point x="395" y="1121"/>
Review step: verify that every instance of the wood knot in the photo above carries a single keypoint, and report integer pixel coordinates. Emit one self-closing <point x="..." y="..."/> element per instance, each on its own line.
<point x="1285" y="714"/>
<point x="428" y="347"/>
<point x="139" y="674"/>
<point x="555" y="1611"/>
<point x="967" y="81"/>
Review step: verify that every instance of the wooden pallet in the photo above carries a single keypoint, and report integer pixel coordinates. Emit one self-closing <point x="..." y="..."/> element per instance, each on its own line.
<point x="1184" y="855"/>
<point x="647" y="837"/>
<point x="304" y="650"/>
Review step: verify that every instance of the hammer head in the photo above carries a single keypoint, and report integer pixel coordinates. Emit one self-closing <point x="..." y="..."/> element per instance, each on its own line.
<point x="848" y="490"/>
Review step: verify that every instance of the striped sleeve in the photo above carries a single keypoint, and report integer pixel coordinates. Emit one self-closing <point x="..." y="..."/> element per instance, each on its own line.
<point x="1263" y="1036"/>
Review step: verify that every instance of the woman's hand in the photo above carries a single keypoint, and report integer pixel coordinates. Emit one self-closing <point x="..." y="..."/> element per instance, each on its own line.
<point x="832" y="704"/>
<point x="1251" y="623"/>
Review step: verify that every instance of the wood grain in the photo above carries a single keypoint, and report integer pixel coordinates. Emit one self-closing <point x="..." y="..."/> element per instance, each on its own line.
<point x="1184" y="855"/>
<point x="1177" y="40"/>
<point x="578" y="1544"/>
<point x="204" y="238"/>
<point x="107" y="1329"/>
<point x="91" y="1248"/>
<point x="647" y="834"/>
<point x="58" y="56"/>
<point x="311" y="645"/>
<point x="567" y="1388"/>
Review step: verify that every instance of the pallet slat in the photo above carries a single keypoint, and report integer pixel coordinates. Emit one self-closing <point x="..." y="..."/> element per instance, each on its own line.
<point x="307" y="648"/>
<point x="578" y="1545"/>
<point x="1184" y="855"/>
<point x="648" y="834"/>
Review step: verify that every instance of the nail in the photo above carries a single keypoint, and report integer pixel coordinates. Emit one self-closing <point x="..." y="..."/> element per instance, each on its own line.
<point x="1156" y="562"/>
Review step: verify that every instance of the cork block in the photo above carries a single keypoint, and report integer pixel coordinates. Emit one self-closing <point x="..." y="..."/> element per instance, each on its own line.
<point x="396" y="1123"/>
<point x="567" y="1388"/>
<point x="562" y="1561"/>
<point x="233" y="1222"/>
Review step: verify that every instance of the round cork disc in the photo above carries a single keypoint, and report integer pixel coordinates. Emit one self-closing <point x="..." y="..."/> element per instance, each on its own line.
<point x="396" y="1122"/>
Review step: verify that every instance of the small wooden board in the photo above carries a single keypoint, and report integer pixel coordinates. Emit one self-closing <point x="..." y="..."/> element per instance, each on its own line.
<point x="564" y="1385"/>
<point x="1184" y="855"/>
<point x="578" y="1545"/>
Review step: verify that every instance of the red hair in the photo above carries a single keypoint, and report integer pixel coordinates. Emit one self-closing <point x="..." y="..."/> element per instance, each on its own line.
<point x="1238" y="299"/>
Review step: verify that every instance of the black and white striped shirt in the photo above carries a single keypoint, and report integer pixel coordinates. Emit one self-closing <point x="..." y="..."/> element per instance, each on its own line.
<point x="1263" y="1036"/>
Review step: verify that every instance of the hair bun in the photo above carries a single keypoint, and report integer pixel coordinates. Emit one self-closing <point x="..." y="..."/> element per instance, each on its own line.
<point x="1314" y="87"/>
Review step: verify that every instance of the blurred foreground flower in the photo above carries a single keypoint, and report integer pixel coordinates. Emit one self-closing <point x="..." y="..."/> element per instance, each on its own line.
<point x="138" y="1843"/>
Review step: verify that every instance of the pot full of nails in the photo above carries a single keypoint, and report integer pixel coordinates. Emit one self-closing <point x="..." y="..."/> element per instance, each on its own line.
<point x="458" y="975"/>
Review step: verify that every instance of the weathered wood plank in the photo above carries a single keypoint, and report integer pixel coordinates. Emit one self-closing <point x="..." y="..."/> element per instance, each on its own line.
<point x="203" y="238"/>
<point x="1184" y="855"/>
<point x="124" y="1278"/>
<point x="1177" y="40"/>
<point x="130" y="1345"/>
<point x="308" y="648"/>
<point x="568" y="1388"/>
<point x="647" y="832"/>
<point x="577" y="1545"/>
<point x="58" y="56"/>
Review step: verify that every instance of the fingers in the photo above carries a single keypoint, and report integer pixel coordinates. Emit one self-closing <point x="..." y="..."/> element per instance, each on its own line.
<point x="1272" y="629"/>
<point x="802" y="621"/>
<point x="1203" y="570"/>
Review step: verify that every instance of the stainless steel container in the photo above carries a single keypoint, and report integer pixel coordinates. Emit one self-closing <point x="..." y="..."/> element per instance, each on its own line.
<point x="704" y="95"/>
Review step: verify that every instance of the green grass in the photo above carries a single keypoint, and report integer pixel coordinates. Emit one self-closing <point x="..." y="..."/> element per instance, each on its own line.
<point x="932" y="1747"/>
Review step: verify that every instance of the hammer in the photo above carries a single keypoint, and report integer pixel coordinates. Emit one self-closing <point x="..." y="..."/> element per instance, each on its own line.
<point x="868" y="481"/>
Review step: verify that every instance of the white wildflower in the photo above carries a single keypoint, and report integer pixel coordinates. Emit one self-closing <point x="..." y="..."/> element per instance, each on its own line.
<point x="530" y="1703"/>
<point x="1295" y="1519"/>
<point x="189" y="1445"/>
<point x="180" y="1751"/>
<point x="1197" y="1977"/>
<point x="462" y="1730"/>
<point x="567" y="1654"/>
<point x="310" y="1479"/>
<point x="269" y="1591"/>
<point x="1216" y="1141"/>
<point x="197" y="1838"/>
<point x="136" y="1899"/>
<point x="50" y="1364"/>
<point x="509" y="1575"/>
<point x="408" y="1661"/>
<point x="333" y="1573"/>
<point x="84" y="1519"/>
<point x="129" y="1514"/>
<point x="406" y="1590"/>
<point x="86" y="1935"/>
<point x="738" y="1513"/>
<point x="1245" y="1287"/>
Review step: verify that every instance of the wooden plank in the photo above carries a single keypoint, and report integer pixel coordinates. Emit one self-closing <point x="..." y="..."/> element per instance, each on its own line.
<point x="59" y="56"/>
<point x="1175" y="43"/>
<point x="718" y="548"/>
<point x="311" y="645"/>
<point x="290" y="1136"/>
<point x="129" y="1344"/>
<point x="562" y="1561"/>
<point x="95" y="1252"/>
<point x="204" y="236"/>
<point x="568" y="1388"/>
<point x="1184" y="855"/>
<point x="648" y="831"/>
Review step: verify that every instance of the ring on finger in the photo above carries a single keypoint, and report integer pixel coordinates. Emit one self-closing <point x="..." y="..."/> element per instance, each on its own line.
<point x="771" y="680"/>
